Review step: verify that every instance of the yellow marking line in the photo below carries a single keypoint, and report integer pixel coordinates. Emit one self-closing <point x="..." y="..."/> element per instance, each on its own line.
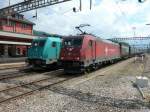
<point x="89" y="76"/>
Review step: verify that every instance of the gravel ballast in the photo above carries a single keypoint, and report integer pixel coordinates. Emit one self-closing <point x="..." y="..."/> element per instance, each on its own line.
<point x="99" y="91"/>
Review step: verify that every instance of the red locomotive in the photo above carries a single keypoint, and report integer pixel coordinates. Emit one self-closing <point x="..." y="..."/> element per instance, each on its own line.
<point x="83" y="52"/>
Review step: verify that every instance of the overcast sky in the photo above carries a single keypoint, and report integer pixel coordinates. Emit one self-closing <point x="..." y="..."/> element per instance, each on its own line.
<point x="108" y="18"/>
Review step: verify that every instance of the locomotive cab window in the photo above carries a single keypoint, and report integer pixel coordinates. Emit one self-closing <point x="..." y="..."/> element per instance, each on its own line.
<point x="73" y="42"/>
<point x="40" y="43"/>
<point x="77" y="42"/>
<point x="53" y="44"/>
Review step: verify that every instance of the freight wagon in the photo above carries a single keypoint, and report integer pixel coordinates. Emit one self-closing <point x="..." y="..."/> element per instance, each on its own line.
<point x="87" y="52"/>
<point x="44" y="52"/>
<point x="124" y="50"/>
<point x="135" y="51"/>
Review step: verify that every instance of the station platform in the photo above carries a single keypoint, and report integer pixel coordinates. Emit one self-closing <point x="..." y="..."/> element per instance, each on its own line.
<point x="9" y="64"/>
<point x="12" y="60"/>
<point x="4" y="66"/>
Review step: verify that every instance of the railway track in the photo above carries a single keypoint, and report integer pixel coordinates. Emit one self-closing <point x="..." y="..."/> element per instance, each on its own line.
<point x="5" y="67"/>
<point x="9" y="68"/>
<point x="17" y="73"/>
<point x="51" y="81"/>
<point x="31" y="87"/>
<point x="12" y="74"/>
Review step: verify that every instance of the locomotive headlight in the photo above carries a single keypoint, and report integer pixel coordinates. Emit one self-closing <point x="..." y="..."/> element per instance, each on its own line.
<point x="78" y="58"/>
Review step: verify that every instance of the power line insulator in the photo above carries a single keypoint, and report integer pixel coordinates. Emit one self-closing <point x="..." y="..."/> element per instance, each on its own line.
<point x="74" y="9"/>
<point x="141" y="1"/>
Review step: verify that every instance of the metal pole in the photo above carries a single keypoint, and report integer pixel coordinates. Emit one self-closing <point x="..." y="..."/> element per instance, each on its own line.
<point x="134" y="32"/>
<point x="90" y="4"/>
<point x="80" y="5"/>
<point x="8" y="15"/>
<point x="9" y="3"/>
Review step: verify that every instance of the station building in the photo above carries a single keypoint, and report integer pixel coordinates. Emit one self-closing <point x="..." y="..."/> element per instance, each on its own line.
<point x="16" y="34"/>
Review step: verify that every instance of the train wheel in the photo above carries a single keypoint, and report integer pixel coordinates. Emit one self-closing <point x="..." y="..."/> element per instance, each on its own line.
<point x="84" y="71"/>
<point x="88" y="70"/>
<point x="96" y="67"/>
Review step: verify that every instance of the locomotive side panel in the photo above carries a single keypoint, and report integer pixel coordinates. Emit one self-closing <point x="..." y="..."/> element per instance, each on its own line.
<point x="89" y="50"/>
<point x="106" y="51"/>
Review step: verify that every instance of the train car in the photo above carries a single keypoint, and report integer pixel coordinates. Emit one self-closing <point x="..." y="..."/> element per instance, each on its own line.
<point x="87" y="51"/>
<point x="124" y="50"/>
<point x="44" y="52"/>
<point x="134" y="51"/>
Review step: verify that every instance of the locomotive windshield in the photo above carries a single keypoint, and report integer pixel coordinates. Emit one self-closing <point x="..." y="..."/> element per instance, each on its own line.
<point x="72" y="42"/>
<point x="40" y="43"/>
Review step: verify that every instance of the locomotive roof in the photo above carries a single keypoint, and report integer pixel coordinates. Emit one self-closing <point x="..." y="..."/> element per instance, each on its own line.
<point x="108" y="41"/>
<point x="72" y="36"/>
<point x="124" y="43"/>
<point x="105" y="40"/>
<point x="45" y="38"/>
<point x="98" y="38"/>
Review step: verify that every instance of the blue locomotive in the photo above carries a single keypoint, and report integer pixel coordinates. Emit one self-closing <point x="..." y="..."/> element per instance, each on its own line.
<point x="44" y="52"/>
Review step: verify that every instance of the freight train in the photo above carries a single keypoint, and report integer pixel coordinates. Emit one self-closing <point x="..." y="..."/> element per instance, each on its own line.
<point x="85" y="52"/>
<point x="76" y="54"/>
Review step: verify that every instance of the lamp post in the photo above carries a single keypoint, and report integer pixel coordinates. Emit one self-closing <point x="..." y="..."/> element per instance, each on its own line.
<point x="148" y="24"/>
<point x="148" y="50"/>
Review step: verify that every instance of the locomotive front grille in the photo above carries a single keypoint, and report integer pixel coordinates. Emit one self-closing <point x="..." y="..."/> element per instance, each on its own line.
<point x="71" y="64"/>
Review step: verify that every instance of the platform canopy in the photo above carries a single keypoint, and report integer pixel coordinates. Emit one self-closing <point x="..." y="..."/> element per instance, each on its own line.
<point x="15" y="43"/>
<point x="17" y="35"/>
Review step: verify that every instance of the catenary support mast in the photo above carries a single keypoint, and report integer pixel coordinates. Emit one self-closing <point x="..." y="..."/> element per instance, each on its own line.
<point x="28" y="5"/>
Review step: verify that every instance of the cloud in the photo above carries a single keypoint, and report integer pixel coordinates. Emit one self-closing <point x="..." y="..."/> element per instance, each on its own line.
<point x="108" y="18"/>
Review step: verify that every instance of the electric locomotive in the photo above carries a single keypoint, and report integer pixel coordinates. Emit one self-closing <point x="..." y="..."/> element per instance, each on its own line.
<point x="44" y="52"/>
<point x="84" y="52"/>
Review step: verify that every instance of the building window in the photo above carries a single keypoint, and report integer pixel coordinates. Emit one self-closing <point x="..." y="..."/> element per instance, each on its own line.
<point x="25" y="25"/>
<point x="11" y="23"/>
<point x="8" y="23"/>
<point x="4" y="22"/>
<point x="17" y="16"/>
<point x="18" y="51"/>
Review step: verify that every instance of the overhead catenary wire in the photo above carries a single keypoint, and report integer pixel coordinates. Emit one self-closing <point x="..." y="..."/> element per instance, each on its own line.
<point x="124" y="15"/>
<point x="125" y="21"/>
